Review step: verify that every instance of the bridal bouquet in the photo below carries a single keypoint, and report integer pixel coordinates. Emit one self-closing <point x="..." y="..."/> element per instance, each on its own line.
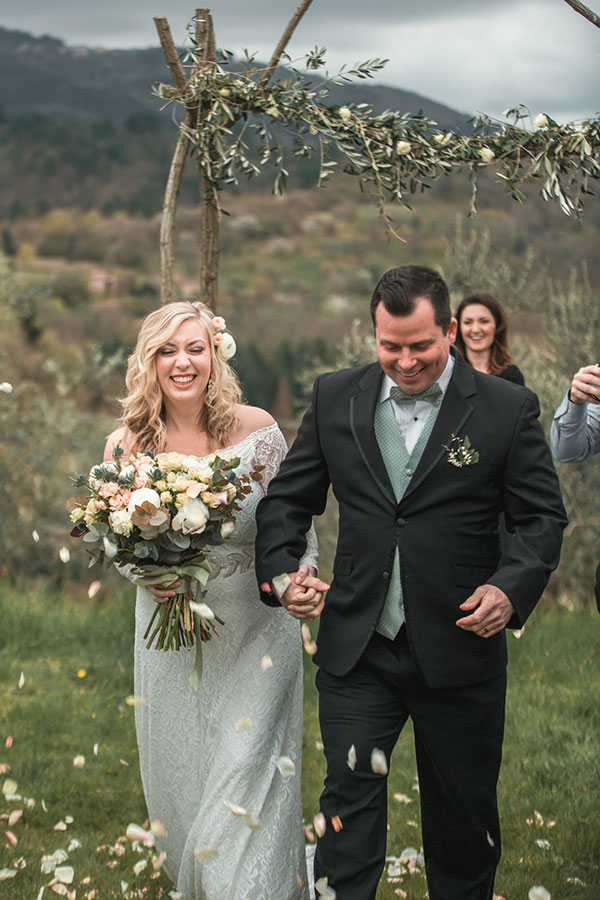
<point x="156" y="513"/>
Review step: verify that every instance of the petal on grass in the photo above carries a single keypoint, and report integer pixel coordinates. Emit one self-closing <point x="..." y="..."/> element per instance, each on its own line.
<point x="11" y="838"/>
<point x="5" y="874"/>
<point x="286" y="766"/>
<point x="79" y="761"/>
<point x="60" y="826"/>
<point x="65" y="874"/>
<point x="140" y="866"/>
<point x="21" y="681"/>
<point x="14" y="817"/>
<point x="35" y="536"/>
<point x="402" y="798"/>
<point x="539" y="892"/>
<point x="9" y="787"/>
<point x="135" y="701"/>
<point x="94" y="588"/>
<point x="64" y="555"/>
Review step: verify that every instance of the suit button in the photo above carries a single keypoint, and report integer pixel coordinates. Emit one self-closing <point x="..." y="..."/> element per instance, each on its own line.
<point x="401" y="521"/>
<point x="385" y="576"/>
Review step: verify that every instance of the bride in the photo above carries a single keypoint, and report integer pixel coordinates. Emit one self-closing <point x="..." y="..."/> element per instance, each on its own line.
<point x="235" y="744"/>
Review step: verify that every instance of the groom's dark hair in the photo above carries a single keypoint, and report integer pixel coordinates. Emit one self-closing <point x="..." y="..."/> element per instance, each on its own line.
<point x="398" y="290"/>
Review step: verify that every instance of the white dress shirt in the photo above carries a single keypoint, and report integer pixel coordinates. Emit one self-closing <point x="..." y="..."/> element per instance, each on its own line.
<point x="411" y="417"/>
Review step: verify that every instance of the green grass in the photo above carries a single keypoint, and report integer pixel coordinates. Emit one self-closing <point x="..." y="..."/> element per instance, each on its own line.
<point x="76" y="656"/>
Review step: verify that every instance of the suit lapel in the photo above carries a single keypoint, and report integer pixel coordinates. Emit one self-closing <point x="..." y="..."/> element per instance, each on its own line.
<point x="362" y="414"/>
<point x="455" y="410"/>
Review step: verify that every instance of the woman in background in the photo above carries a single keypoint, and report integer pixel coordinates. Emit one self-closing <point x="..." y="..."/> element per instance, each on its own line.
<point x="482" y="337"/>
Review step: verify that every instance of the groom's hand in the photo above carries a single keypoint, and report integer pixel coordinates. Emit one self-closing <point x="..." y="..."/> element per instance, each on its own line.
<point x="303" y="598"/>
<point x="492" y="611"/>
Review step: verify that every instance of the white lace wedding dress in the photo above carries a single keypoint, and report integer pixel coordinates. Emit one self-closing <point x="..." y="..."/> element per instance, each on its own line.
<point x="199" y="750"/>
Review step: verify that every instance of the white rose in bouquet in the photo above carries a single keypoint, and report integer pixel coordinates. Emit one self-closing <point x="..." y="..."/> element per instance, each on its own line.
<point x="144" y="495"/>
<point x="120" y="522"/>
<point x="191" y="518"/>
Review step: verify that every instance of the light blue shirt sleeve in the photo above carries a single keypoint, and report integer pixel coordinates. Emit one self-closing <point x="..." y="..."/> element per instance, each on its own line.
<point x="575" y="431"/>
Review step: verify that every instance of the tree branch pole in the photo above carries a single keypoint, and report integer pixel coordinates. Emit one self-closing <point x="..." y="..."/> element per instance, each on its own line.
<point x="167" y="223"/>
<point x="585" y="12"/>
<point x="210" y="243"/>
<point x="283" y="42"/>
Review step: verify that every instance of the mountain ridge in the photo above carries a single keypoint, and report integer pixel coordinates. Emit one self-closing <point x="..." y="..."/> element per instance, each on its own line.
<point x="45" y="76"/>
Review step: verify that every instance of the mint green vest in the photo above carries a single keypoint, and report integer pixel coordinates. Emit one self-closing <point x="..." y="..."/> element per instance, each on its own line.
<point x="400" y="467"/>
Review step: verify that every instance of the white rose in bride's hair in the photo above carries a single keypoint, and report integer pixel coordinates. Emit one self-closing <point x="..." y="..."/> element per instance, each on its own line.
<point x="226" y="347"/>
<point x="191" y="518"/>
<point x="143" y="495"/>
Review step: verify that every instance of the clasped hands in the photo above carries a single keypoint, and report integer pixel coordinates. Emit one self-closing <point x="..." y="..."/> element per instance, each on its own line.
<point x="492" y="611"/>
<point x="303" y="598"/>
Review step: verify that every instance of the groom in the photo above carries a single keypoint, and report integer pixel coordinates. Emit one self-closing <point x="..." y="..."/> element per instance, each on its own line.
<point x="423" y="453"/>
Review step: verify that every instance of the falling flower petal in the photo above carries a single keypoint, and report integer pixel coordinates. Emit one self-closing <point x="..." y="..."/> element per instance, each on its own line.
<point x="286" y="766"/>
<point x="21" y="681"/>
<point x="538" y="892"/>
<point x="157" y="828"/>
<point x="159" y="861"/>
<point x="309" y="834"/>
<point x="309" y="645"/>
<point x="5" y="874"/>
<point x="320" y="824"/>
<point x="336" y="823"/>
<point x="64" y="555"/>
<point x="94" y="588"/>
<point x="140" y="866"/>
<point x="325" y="892"/>
<point x="266" y="663"/>
<point x="79" y="761"/>
<point x="208" y="853"/>
<point x="201" y="609"/>
<point x="135" y="701"/>
<point x="9" y="787"/>
<point x="517" y="633"/>
<point x="351" y="760"/>
<point x="378" y="762"/>
<point x="236" y="810"/>
<point x="243" y="724"/>
<point x="14" y="817"/>
<point x="252" y="822"/>
<point x="319" y="745"/>
<point x="135" y="833"/>
<point x="35" y="536"/>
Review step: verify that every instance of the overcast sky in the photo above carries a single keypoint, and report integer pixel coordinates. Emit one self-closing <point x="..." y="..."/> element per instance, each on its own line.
<point x="473" y="55"/>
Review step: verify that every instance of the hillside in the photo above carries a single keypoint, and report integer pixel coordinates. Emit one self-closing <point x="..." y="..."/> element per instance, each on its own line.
<point x="46" y="77"/>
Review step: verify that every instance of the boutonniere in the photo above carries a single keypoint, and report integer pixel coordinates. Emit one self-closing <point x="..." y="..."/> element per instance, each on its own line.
<point x="460" y="452"/>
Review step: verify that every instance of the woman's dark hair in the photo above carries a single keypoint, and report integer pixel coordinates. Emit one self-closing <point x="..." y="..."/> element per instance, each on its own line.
<point x="500" y="356"/>
<point x="400" y="288"/>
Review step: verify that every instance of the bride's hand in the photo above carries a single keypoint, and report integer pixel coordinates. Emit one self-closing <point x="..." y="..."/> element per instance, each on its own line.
<point x="162" y="594"/>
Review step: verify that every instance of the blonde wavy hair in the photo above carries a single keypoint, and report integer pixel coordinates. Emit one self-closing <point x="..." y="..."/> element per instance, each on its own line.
<point x="143" y="408"/>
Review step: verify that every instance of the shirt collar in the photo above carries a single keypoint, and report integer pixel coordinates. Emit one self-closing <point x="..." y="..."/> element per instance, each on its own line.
<point x="443" y="380"/>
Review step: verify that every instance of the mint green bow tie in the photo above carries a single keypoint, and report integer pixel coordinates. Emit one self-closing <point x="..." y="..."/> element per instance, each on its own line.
<point x="432" y="394"/>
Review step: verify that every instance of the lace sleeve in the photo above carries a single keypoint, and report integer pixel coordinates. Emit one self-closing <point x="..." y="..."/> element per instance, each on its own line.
<point x="271" y="449"/>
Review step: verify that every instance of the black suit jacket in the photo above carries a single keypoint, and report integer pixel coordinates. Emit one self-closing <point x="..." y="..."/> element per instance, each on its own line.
<point x="445" y="526"/>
